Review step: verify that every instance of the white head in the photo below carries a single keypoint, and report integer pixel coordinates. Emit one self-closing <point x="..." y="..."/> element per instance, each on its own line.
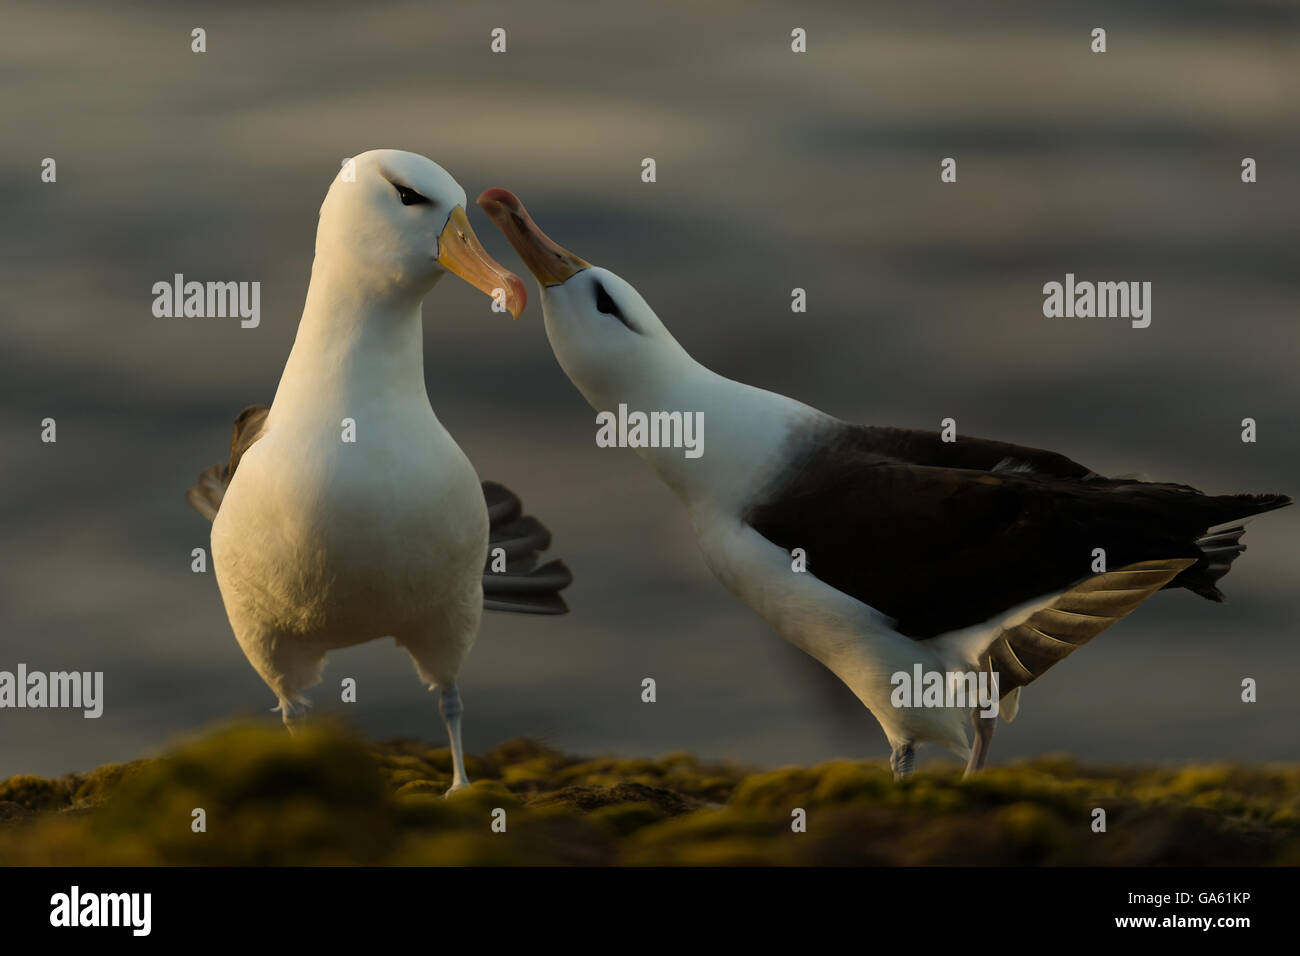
<point x="607" y="339"/>
<point x="393" y="222"/>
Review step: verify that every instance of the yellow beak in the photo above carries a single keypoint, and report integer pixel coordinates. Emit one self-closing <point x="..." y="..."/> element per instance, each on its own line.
<point x="460" y="253"/>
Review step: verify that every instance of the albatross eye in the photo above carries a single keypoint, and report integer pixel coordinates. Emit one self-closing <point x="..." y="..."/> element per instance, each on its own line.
<point x="604" y="303"/>
<point x="410" y="197"/>
<point x="607" y="306"/>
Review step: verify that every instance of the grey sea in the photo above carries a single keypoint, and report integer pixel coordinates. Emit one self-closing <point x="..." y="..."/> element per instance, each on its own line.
<point x="775" y="171"/>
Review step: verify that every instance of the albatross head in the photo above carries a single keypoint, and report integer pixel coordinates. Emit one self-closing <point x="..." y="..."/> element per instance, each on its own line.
<point x="604" y="334"/>
<point x="394" y="222"/>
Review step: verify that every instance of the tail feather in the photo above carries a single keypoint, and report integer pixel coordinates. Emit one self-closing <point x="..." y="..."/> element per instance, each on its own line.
<point x="528" y="579"/>
<point x="521" y="537"/>
<point x="503" y="504"/>
<point x="526" y="604"/>
<point x="522" y="583"/>
<point x="1221" y="546"/>
<point x="205" y="497"/>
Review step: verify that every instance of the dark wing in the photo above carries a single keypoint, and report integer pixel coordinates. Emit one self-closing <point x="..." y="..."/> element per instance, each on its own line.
<point x="980" y="454"/>
<point x="515" y="579"/>
<point x="205" y="497"/>
<point x="938" y="549"/>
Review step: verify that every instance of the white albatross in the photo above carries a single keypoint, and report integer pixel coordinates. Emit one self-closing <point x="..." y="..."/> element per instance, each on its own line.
<point x="346" y="512"/>
<point x="958" y="558"/>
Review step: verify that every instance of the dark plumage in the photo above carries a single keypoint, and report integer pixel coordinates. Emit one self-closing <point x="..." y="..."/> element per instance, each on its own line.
<point x="944" y="535"/>
<point x="525" y="586"/>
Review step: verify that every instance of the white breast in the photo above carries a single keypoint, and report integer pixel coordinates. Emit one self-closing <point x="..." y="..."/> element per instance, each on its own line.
<point x="342" y="542"/>
<point x="856" y="642"/>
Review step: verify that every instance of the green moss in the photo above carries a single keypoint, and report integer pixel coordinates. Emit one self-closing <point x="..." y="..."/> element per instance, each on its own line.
<point x="928" y="794"/>
<point x="776" y="789"/>
<point x="715" y="788"/>
<point x="326" y="797"/>
<point x="1195" y="780"/>
<point x="267" y="798"/>
<point x="34" y="793"/>
<point x="419" y="787"/>
<point x="533" y="773"/>
<point x="843" y="781"/>
<point x="96" y="787"/>
<point x="591" y="798"/>
<point x="625" y="818"/>
<point x="709" y="837"/>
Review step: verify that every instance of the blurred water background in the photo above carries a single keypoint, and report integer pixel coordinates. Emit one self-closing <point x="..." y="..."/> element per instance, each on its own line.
<point x="775" y="170"/>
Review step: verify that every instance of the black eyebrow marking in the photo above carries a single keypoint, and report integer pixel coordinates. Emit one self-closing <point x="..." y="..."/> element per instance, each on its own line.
<point x="409" y="196"/>
<point x="606" y="305"/>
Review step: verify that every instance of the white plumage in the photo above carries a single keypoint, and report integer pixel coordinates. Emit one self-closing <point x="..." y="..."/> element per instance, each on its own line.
<point x="352" y="514"/>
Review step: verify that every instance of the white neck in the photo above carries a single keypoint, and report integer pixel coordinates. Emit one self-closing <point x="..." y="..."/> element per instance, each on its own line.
<point x="355" y="344"/>
<point x="743" y="427"/>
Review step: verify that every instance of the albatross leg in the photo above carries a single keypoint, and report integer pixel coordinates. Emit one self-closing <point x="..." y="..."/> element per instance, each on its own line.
<point x="451" y="707"/>
<point x="900" y="761"/>
<point x="293" y="713"/>
<point x="984" y="727"/>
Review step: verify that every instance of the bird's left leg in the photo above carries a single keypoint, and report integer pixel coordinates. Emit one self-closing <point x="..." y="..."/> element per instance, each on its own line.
<point x="294" y="713"/>
<point x="984" y="727"/>
<point x="900" y="760"/>
<point x="451" y="707"/>
<point x="438" y="651"/>
<point x="437" y="662"/>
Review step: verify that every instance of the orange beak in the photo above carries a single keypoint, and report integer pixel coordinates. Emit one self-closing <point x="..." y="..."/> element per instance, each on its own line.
<point x="460" y="253"/>
<point x="549" y="262"/>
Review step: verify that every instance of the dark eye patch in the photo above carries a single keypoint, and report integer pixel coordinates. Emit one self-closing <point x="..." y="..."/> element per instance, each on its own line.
<point x="607" y="306"/>
<point x="410" y="197"/>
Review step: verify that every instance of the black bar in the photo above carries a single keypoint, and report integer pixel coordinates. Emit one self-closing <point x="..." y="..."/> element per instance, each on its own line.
<point x="974" y="905"/>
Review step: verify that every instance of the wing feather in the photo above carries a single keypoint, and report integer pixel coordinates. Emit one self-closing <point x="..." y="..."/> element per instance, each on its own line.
<point x="1021" y="654"/>
<point x="947" y="546"/>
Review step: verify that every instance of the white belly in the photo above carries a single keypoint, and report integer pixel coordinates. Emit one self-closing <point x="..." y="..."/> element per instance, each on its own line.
<point x="856" y="642"/>
<point x="335" y="543"/>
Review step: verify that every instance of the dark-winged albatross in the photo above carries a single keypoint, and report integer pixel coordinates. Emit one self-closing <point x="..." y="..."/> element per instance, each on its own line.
<point x="346" y="511"/>
<point x="956" y="557"/>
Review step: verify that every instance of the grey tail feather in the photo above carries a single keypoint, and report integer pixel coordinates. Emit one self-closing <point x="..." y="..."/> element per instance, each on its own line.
<point x="1014" y="465"/>
<point x="526" y="585"/>
<point x="1222" y="545"/>
<point x="531" y="604"/>
<point x="502" y="503"/>
<point x="1218" y="550"/>
<point x="205" y="497"/>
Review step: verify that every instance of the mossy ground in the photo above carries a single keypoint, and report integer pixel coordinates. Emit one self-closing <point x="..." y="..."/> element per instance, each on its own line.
<point x="327" y="797"/>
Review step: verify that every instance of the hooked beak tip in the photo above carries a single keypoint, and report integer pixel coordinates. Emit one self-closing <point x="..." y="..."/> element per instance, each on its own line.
<point x="491" y="200"/>
<point x="516" y="295"/>
<point x="461" y="253"/>
<point x="550" y="263"/>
